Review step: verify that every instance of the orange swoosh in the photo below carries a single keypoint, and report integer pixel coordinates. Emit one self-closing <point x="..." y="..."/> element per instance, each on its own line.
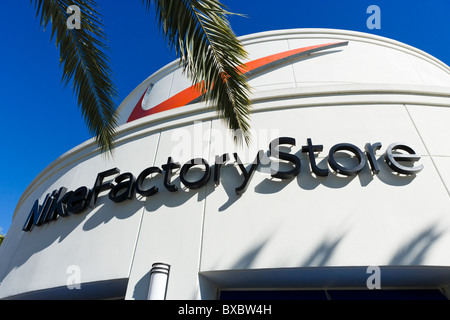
<point x="193" y="93"/>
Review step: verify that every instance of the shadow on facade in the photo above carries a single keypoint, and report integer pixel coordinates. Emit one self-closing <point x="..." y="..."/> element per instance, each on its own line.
<point x="412" y="253"/>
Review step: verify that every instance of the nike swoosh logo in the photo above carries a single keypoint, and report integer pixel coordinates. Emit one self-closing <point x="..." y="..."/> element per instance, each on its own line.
<point x="250" y="69"/>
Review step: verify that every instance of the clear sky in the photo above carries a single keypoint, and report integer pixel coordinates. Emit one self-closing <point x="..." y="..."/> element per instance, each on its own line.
<point x="41" y="119"/>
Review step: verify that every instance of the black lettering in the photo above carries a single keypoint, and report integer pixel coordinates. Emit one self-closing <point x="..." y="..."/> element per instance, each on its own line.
<point x="45" y="208"/>
<point x="392" y="159"/>
<point x="247" y="174"/>
<point x="33" y="217"/>
<point x="53" y="212"/>
<point x="168" y="173"/>
<point x="61" y="206"/>
<point x="78" y="200"/>
<point x="202" y="181"/>
<point x="344" y="170"/>
<point x="59" y="203"/>
<point x="124" y="188"/>
<point x="99" y="186"/>
<point x="274" y="152"/>
<point x="311" y="149"/>
<point x="370" y="152"/>
<point x="41" y="218"/>
<point x="46" y="212"/>
<point x="220" y="160"/>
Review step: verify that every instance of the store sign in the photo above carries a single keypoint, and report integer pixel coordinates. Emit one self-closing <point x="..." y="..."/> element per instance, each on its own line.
<point x="250" y="69"/>
<point x="399" y="157"/>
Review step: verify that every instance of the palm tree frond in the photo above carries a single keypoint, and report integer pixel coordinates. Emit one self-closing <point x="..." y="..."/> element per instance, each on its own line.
<point x="210" y="54"/>
<point x="85" y="64"/>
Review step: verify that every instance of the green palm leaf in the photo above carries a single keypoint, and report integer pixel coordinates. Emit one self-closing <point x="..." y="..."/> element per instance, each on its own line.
<point x="85" y="64"/>
<point x="210" y="53"/>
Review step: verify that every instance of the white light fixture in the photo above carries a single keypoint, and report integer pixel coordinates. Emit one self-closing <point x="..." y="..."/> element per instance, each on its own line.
<point x="159" y="276"/>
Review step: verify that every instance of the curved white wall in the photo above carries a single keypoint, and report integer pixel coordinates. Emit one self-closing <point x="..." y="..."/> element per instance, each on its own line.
<point x="367" y="61"/>
<point x="371" y="90"/>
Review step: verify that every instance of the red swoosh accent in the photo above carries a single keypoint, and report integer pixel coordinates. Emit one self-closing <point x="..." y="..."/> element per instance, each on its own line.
<point x="194" y="92"/>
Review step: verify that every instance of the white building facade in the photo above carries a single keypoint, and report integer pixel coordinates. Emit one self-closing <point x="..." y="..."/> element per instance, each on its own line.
<point x="344" y="189"/>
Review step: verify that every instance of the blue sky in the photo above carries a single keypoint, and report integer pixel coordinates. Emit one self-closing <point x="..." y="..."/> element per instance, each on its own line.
<point x="41" y="119"/>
